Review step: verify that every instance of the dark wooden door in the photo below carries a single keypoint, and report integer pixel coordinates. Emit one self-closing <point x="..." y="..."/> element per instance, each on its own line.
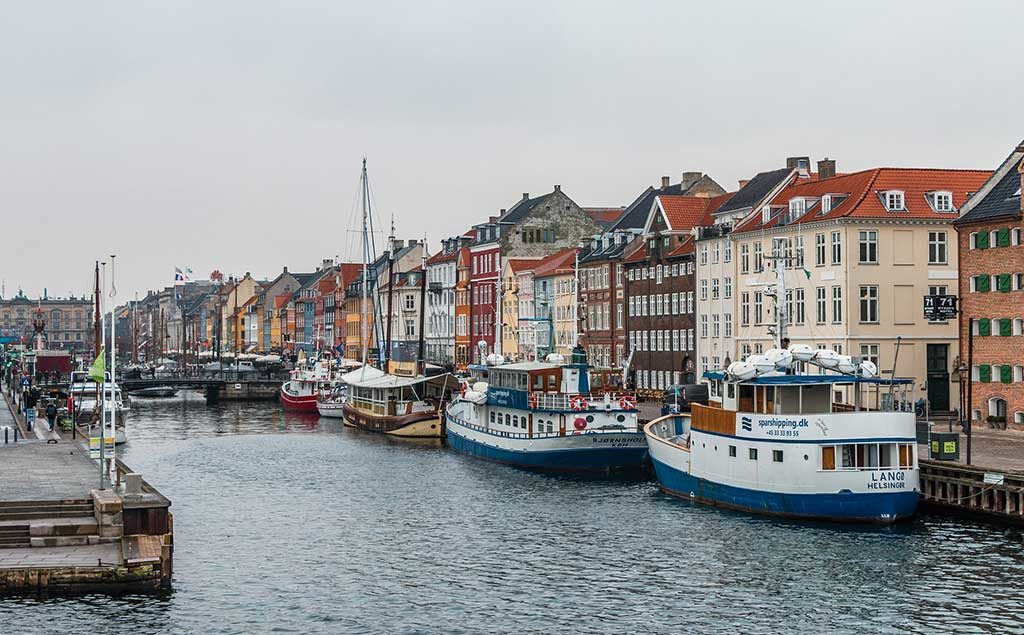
<point x="938" y="377"/>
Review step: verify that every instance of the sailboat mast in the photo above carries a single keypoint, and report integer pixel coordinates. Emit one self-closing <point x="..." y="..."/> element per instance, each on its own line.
<point x="391" y="294"/>
<point x="781" y="318"/>
<point x="366" y="265"/>
<point x="96" y="333"/>
<point x="421" y="360"/>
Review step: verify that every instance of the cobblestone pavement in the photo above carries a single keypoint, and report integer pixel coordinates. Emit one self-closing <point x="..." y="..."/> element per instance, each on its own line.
<point x="44" y="471"/>
<point x="81" y="556"/>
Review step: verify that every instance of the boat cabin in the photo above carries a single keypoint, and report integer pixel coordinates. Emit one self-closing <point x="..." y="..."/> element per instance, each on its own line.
<point x="395" y="396"/>
<point x="809" y="394"/>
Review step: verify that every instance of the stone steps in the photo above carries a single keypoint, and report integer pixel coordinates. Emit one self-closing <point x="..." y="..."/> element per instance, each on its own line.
<point x="15" y="536"/>
<point x="33" y="510"/>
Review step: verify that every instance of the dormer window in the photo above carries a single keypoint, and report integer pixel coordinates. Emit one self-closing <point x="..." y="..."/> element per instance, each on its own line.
<point x="826" y="203"/>
<point x="766" y="214"/>
<point x="797" y="207"/>
<point x="942" y="201"/>
<point x="893" y="200"/>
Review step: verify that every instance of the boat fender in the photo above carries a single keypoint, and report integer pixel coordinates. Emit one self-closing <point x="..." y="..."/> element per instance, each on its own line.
<point x="579" y="423"/>
<point x="627" y="402"/>
<point x="578" y="403"/>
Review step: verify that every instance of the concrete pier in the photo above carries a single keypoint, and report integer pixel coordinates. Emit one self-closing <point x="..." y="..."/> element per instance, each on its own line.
<point x="60" y="533"/>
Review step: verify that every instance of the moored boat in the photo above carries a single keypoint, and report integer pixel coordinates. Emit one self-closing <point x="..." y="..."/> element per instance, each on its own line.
<point x="332" y="404"/>
<point x="154" y="391"/>
<point x="305" y="384"/>
<point x="546" y="416"/>
<point x="394" y="404"/>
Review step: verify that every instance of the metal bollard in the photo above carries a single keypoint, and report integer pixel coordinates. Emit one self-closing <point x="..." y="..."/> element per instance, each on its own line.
<point x="15" y="435"/>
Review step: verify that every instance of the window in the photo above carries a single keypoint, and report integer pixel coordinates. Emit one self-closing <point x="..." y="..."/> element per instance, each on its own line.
<point x="658" y="274"/>
<point x="727" y="254"/>
<point x="837" y="304"/>
<point x="703" y="254"/>
<point x="826" y="204"/>
<point x="870" y="353"/>
<point x="758" y="315"/>
<point x="745" y="309"/>
<point x="937" y="248"/>
<point x="837" y="248"/>
<point x="869" y="304"/>
<point x="758" y="261"/>
<point x="893" y="200"/>
<point x="703" y="289"/>
<point x="744" y="260"/>
<point x="798" y="247"/>
<point x="715" y="325"/>
<point x="776" y="456"/>
<point x="714" y="289"/>
<point x="752" y="453"/>
<point x="869" y="247"/>
<point x="732" y="450"/>
<point x="715" y="253"/>
<point x="797" y="207"/>
<point x="943" y="201"/>
<point x="819" y="305"/>
<point x="800" y="313"/>
<point x="828" y="457"/>
<point x="703" y="325"/>
<point x="727" y="319"/>
<point x="727" y="288"/>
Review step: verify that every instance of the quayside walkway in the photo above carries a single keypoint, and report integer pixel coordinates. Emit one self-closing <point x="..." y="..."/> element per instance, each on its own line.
<point x="59" y="532"/>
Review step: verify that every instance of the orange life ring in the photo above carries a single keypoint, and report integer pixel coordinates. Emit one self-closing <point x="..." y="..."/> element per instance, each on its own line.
<point x="626" y="402"/>
<point x="578" y="403"/>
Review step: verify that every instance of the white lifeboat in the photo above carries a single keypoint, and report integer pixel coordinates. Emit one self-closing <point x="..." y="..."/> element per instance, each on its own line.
<point x="868" y="368"/>
<point x="742" y="370"/>
<point x="826" y="358"/>
<point x="802" y="352"/>
<point x="846" y="365"/>
<point x="780" y="357"/>
<point x="761" y="364"/>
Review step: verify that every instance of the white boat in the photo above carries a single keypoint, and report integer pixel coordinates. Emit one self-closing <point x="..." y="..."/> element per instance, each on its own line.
<point x="83" y="393"/>
<point x="331" y="404"/>
<point x="837" y="446"/>
<point x="546" y="416"/>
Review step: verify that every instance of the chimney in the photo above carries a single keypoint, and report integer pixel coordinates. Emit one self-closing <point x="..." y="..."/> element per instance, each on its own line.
<point x="501" y="212"/>
<point x="558" y="188"/>
<point x="526" y="195"/>
<point x="492" y="219"/>
<point x="743" y="183"/>
<point x="689" y="180"/>
<point x="327" y="263"/>
<point x="285" y="270"/>
<point x="664" y="182"/>
<point x="826" y="168"/>
<point x="802" y="164"/>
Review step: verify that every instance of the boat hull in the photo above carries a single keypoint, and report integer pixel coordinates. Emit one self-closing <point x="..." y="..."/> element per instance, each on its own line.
<point x="884" y="508"/>
<point x="415" y="425"/>
<point x="300" y="403"/>
<point x="331" y="410"/>
<point x="585" y="452"/>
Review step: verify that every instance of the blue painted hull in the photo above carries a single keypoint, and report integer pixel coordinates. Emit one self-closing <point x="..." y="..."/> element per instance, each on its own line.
<point x="886" y="507"/>
<point x="575" y="460"/>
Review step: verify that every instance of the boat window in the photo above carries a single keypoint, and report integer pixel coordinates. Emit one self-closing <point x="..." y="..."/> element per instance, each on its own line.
<point x="906" y="455"/>
<point x="552" y="383"/>
<point x="515" y="420"/>
<point x="492" y="416"/>
<point x="508" y="419"/>
<point x="730" y="389"/>
<point x="777" y="456"/>
<point x="885" y="455"/>
<point x="753" y="454"/>
<point x="538" y="382"/>
<point x="849" y="456"/>
<point x="828" y="457"/>
<point x="551" y="426"/>
<point x="732" y="450"/>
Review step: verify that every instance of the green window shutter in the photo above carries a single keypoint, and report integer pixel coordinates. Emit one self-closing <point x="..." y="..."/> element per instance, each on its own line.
<point x="1006" y="374"/>
<point x="983" y="283"/>
<point x="1003" y="283"/>
<point x="984" y="373"/>
<point x="1005" y="327"/>
<point x="981" y="240"/>
<point x="984" y="327"/>
<point x="1003" y="237"/>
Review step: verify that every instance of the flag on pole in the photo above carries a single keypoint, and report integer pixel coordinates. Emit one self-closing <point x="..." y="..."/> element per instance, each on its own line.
<point x="179" y="277"/>
<point x="98" y="370"/>
<point x="807" y="273"/>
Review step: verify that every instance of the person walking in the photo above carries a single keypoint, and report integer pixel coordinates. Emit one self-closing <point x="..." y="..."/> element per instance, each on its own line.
<point x="51" y="414"/>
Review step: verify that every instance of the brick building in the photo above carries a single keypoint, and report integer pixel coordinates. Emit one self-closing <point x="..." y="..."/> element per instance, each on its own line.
<point x="991" y="265"/>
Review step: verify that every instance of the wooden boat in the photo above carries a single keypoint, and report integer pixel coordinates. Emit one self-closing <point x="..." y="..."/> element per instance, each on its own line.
<point x="394" y="404"/>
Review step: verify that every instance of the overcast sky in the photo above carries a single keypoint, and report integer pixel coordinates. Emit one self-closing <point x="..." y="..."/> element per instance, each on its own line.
<point x="228" y="135"/>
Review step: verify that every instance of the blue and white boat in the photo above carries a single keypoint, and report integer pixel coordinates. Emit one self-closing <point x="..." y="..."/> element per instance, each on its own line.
<point x="546" y="416"/>
<point x="838" y="445"/>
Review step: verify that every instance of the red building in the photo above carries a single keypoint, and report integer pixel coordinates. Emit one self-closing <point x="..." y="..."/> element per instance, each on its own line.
<point x="484" y="292"/>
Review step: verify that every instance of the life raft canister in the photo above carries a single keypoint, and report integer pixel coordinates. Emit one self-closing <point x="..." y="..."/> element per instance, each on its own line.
<point x="578" y="403"/>
<point x="627" y="402"/>
<point x="579" y="423"/>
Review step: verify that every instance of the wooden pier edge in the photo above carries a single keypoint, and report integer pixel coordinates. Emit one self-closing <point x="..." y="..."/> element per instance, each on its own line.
<point x="972" y="492"/>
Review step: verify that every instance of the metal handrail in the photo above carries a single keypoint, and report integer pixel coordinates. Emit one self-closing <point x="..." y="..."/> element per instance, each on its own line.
<point x="540" y="435"/>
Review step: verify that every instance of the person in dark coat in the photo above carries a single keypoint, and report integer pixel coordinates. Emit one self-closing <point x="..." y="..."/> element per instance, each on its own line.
<point x="51" y="414"/>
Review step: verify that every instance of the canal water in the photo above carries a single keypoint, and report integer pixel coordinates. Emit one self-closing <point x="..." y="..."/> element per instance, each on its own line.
<point x="286" y="523"/>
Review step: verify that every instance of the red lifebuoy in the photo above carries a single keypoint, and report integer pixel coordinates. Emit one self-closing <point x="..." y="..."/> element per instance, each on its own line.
<point x="626" y="402"/>
<point x="579" y="423"/>
<point x="578" y="403"/>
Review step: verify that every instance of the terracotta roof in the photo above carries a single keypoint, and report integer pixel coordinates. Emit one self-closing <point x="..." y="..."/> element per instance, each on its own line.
<point x="681" y="249"/>
<point x="350" y="271"/>
<point x="523" y="264"/>
<point x="637" y="256"/>
<point x="442" y="256"/>
<point x="714" y="204"/>
<point x="604" y="216"/>
<point x="282" y="300"/>
<point x="325" y="285"/>
<point x="862" y="195"/>
<point x="558" y="262"/>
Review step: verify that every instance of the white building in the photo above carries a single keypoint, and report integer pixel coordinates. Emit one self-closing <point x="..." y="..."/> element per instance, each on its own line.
<point x="440" y="319"/>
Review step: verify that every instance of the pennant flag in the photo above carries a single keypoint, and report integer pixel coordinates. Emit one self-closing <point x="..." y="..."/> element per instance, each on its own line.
<point x="98" y="370"/>
<point x="807" y="273"/>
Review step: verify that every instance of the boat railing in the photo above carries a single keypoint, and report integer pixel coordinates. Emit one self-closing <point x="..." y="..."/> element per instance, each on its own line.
<point x="538" y="435"/>
<point x="591" y="401"/>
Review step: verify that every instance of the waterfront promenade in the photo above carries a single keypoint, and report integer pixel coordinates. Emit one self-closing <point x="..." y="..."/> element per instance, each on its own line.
<point x="60" y="532"/>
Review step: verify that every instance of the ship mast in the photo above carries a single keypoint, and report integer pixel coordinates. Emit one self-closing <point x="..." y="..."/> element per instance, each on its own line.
<point x="366" y="266"/>
<point x="391" y="294"/>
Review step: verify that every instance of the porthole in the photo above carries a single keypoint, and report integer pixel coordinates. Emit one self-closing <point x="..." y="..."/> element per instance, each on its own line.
<point x="622" y="418"/>
<point x="806" y="457"/>
<point x="590" y="418"/>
